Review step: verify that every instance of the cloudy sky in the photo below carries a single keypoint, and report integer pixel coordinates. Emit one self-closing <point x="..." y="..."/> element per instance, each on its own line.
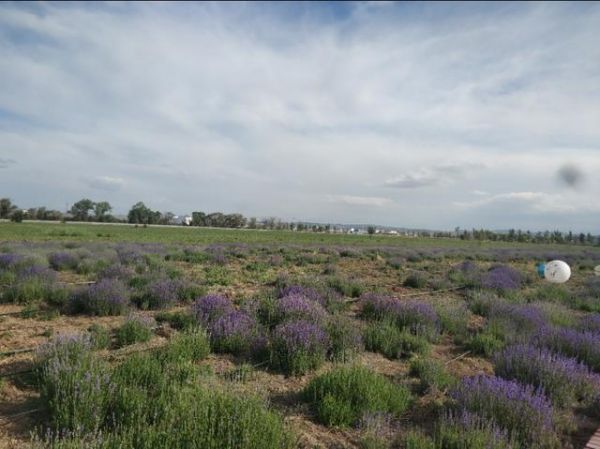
<point x="416" y="115"/>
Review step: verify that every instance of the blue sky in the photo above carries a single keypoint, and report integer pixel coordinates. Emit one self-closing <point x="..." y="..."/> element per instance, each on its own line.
<point x="428" y="115"/>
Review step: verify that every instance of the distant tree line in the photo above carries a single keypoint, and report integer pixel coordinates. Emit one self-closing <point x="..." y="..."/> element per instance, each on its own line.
<point x="517" y="235"/>
<point x="100" y="211"/>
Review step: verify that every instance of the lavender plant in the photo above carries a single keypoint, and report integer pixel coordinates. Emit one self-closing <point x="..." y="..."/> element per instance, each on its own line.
<point x="345" y="337"/>
<point x="75" y="386"/>
<point x="234" y="333"/>
<point x="564" y="380"/>
<point x="295" y="307"/>
<point x="136" y="329"/>
<point x="344" y="395"/>
<point x="459" y="430"/>
<point x="211" y="307"/>
<point x="298" y="347"/>
<point x="523" y="411"/>
<point x="502" y="278"/>
<point x="106" y="297"/>
<point x="584" y="346"/>
<point x="61" y="261"/>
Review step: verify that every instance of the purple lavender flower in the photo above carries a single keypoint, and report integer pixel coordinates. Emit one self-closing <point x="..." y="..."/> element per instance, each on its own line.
<point x="521" y="409"/>
<point x="8" y="261"/>
<point x="40" y="272"/>
<point x="502" y="277"/>
<point x="160" y="294"/>
<point x="209" y="308"/>
<point x="116" y="271"/>
<point x="234" y="332"/>
<point x="590" y="323"/>
<point x="298" y="347"/>
<point x="106" y="297"/>
<point x="464" y="429"/>
<point x="60" y="261"/>
<point x="562" y="379"/>
<point x="295" y="307"/>
<point x="298" y="290"/>
<point x="584" y="346"/>
<point x="417" y="316"/>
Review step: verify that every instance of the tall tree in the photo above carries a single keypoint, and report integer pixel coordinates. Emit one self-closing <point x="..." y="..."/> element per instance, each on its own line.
<point x="6" y="207"/>
<point x="81" y="209"/>
<point x="102" y="210"/>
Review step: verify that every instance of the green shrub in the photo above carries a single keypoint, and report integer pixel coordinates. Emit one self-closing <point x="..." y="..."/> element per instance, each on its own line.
<point x="385" y="337"/>
<point x="485" y="344"/>
<point x="342" y="396"/>
<point x="177" y="320"/>
<point x="346" y="287"/>
<point x="345" y="338"/>
<point x="190" y="345"/>
<point x="134" y="330"/>
<point x="415" y="281"/>
<point x="417" y="440"/>
<point x="432" y="374"/>
<point x="99" y="336"/>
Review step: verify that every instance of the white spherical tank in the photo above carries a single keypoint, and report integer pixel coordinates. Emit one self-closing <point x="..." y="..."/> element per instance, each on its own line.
<point x="557" y="272"/>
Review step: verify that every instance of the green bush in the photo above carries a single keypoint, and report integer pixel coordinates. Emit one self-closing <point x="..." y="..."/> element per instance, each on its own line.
<point x="415" y="281"/>
<point x="99" y="336"/>
<point x="134" y="330"/>
<point x="385" y="337"/>
<point x="416" y="440"/>
<point x="485" y="344"/>
<point x="432" y="374"/>
<point x="177" y="320"/>
<point x="345" y="338"/>
<point x="342" y="396"/>
<point x="190" y="345"/>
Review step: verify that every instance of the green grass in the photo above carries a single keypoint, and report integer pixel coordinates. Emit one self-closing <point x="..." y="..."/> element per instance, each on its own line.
<point x="36" y="231"/>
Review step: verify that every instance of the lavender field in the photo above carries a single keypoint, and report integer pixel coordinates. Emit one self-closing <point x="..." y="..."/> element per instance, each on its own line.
<point x="388" y="343"/>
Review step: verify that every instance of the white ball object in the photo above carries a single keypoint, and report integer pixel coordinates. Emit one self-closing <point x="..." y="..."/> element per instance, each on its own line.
<point x="557" y="272"/>
<point x="597" y="270"/>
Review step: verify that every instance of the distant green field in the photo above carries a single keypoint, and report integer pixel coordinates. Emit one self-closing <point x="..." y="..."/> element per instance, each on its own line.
<point x="202" y="236"/>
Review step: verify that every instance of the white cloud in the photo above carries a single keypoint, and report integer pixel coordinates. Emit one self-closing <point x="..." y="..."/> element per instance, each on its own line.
<point x="106" y="183"/>
<point x="245" y="108"/>
<point x="534" y="203"/>
<point x="359" y="200"/>
<point x="423" y="177"/>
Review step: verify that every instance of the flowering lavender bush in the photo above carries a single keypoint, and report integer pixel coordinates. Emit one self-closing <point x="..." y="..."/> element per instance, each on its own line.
<point x="522" y="410"/>
<point x="159" y="294"/>
<point x="211" y="307"/>
<point x="342" y="396"/>
<point x="297" y="307"/>
<point x="298" y="290"/>
<point x="502" y="278"/>
<point x="116" y="271"/>
<point x="9" y="260"/>
<point x="298" y="346"/>
<point x="74" y="385"/>
<point x="234" y="332"/>
<point x="456" y="430"/>
<point x="584" y="346"/>
<point x="418" y="317"/>
<point x="564" y="380"/>
<point x="590" y="323"/>
<point x="346" y="338"/>
<point x="106" y="297"/>
<point x="61" y="261"/>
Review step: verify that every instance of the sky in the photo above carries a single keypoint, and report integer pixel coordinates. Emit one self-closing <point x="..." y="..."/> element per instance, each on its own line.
<point x="424" y="115"/>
